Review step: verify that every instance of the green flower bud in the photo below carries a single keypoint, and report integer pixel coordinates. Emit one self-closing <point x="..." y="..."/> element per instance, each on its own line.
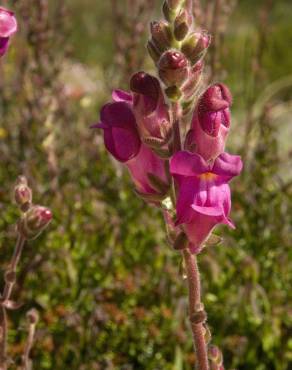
<point x="153" y="52"/>
<point x="181" y="25"/>
<point x="173" y="93"/>
<point x="168" y="13"/>
<point x="196" y="45"/>
<point x="161" y="35"/>
<point x="174" y="4"/>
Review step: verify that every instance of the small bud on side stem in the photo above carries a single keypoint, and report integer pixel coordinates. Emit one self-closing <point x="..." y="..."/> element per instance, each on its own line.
<point x="22" y="194"/>
<point x="34" y="221"/>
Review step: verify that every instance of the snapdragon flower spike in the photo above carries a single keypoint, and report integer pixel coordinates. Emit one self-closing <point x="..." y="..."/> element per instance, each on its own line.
<point x="211" y="121"/>
<point x="8" y="26"/>
<point x="204" y="198"/>
<point x="149" y="106"/>
<point x="122" y="140"/>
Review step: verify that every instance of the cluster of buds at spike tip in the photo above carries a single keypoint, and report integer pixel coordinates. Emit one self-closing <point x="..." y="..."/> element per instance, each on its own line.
<point x="178" y="51"/>
<point x="34" y="221"/>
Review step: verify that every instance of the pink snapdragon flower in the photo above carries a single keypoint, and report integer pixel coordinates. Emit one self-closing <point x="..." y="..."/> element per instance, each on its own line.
<point x="122" y="140"/>
<point x="211" y="122"/>
<point x="204" y="198"/>
<point x="149" y="106"/>
<point x="8" y="26"/>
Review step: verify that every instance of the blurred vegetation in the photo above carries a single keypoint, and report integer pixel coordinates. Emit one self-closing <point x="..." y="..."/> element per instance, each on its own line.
<point x="109" y="290"/>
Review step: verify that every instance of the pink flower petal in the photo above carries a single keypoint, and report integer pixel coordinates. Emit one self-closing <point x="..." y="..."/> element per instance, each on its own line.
<point x="227" y="165"/>
<point x="187" y="164"/>
<point x="121" y="96"/>
<point x="8" y="23"/>
<point x="208" y="211"/>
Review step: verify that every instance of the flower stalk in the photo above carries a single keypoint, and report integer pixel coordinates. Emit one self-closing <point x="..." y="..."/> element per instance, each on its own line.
<point x="33" y="221"/>
<point x="33" y="318"/>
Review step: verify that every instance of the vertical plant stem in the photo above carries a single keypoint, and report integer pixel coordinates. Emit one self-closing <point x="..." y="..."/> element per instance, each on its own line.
<point x="192" y="270"/>
<point x="28" y="347"/>
<point x="3" y="336"/>
<point x="194" y="285"/>
<point x="9" y="284"/>
<point x="176" y="126"/>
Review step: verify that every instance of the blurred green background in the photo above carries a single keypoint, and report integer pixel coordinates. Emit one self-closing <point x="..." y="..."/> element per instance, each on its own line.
<point x="109" y="289"/>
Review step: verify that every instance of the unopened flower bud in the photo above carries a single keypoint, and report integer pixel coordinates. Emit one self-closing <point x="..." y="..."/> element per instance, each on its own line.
<point x="195" y="46"/>
<point x="32" y="316"/>
<point x="207" y="334"/>
<point x="215" y="355"/>
<point x="211" y="121"/>
<point x="173" y="93"/>
<point x="173" y="68"/>
<point x="22" y="194"/>
<point x="167" y="11"/>
<point x="174" y="4"/>
<point x="161" y="35"/>
<point x="181" y="25"/>
<point x="149" y="107"/>
<point x="34" y="221"/>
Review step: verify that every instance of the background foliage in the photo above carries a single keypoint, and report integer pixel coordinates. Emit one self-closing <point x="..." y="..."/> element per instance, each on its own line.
<point x="110" y="292"/>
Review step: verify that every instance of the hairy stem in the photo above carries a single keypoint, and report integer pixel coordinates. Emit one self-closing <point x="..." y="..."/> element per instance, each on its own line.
<point x="194" y="285"/>
<point x="9" y="284"/>
<point x="176" y="126"/>
<point x="3" y="337"/>
<point x="192" y="270"/>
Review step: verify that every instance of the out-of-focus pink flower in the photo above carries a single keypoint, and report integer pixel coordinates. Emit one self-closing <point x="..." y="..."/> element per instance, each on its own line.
<point x="122" y="140"/>
<point x="149" y="106"/>
<point x="8" y="26"/>
<point x="211" y="122"/>
<point x="204" y="198"/>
